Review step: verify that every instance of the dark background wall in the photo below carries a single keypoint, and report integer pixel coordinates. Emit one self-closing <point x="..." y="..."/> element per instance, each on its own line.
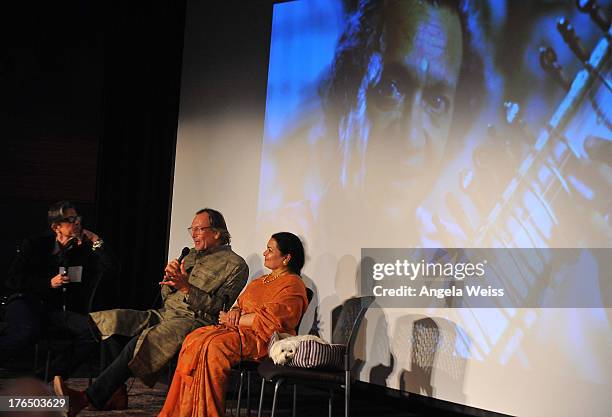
<point x="89" y="111"/>
<point x="51" y="117"/>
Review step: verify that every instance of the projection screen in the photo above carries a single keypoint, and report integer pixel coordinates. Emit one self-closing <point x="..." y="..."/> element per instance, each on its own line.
<point x="427" y="124"/>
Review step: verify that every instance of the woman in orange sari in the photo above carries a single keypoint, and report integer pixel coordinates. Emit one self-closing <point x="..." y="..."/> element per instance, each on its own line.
<point x="273" y="302"/>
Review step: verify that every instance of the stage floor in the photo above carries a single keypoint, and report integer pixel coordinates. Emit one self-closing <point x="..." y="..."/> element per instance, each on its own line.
<point x="144" y="401"/>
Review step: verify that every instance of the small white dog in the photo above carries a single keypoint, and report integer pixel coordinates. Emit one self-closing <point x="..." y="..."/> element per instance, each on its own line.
<point x="283" y="350"/>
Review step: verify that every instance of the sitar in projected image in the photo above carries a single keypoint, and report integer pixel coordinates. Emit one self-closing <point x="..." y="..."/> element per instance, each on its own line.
<point x="556" y="186"/>
<point x="560" y="195"/>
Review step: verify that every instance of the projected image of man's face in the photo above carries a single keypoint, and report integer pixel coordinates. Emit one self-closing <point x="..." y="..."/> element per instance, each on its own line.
<point x="410" y="102"/>
<point x="402" y="119"/>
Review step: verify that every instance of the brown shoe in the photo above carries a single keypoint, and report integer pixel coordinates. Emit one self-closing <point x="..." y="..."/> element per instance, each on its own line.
<point x="77" y="400"/>
<point x="119" y="399"/>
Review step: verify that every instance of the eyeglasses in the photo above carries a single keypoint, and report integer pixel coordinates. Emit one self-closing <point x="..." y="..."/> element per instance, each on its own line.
<point x="72" y="219"/>
<point x="197" y="230"/>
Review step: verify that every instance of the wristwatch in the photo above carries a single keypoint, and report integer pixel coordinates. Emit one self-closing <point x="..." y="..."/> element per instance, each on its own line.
<point x="97" y="244"/>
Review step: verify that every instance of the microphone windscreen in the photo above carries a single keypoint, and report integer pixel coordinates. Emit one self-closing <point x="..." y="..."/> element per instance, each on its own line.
<point x="184" y="253"/>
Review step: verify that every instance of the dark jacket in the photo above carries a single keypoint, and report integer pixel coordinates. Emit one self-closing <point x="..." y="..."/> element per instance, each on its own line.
<point x="35" y="264"/>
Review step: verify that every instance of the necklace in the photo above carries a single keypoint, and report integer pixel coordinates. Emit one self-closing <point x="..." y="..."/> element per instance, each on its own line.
<point x="271" y="277"/>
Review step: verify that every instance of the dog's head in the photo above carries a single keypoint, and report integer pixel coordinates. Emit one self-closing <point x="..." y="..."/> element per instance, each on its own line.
<point x="283" y="351"/>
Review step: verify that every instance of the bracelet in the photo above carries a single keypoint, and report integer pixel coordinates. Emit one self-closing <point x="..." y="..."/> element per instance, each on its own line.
<point x="97" y="244"/>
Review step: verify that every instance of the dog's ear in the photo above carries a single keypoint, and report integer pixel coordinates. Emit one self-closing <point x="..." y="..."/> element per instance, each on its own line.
<point x="275" y="354"/>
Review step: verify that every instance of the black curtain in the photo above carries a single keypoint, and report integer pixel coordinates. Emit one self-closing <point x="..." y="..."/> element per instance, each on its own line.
<point x="90" y="111"/>
<point x="143" y="65"/>
<point x="142" y="55"/>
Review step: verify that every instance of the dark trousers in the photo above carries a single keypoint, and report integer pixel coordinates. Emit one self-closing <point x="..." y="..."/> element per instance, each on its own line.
<point x="113" y="376"/>
<point x="28" y="320"/>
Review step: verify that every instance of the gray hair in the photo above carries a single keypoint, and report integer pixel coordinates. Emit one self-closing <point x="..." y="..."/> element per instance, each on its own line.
<point x="217" y="223"/>
<point x="57" y="211"/>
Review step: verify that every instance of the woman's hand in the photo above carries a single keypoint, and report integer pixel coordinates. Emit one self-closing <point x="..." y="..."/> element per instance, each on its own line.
<point x="231" y="318"/>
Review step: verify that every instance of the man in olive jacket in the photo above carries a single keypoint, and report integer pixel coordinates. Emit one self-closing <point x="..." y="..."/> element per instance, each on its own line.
<point x="194" y="292"/>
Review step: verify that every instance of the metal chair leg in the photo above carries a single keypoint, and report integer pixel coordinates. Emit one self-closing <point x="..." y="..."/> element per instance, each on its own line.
<point x="276" y="386"/>
<point x="36" y="351"/>
<point x="330" y="403"/>
<point x="239" y="392"/>
<point x="347" y="394"/>
<point x="294" y="400"/>
<point x="249" y="393"/>
<point x="263" y="386"/>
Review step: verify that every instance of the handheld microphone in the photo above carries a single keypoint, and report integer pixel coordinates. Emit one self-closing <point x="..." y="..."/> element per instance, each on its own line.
<point x="184" y="253"/>
<point x="64" y="264"/>
<point x="182" y="256"/>
<point x="64" y="289"/>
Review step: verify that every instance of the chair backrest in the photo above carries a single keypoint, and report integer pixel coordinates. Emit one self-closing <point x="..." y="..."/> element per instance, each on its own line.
<point x="309" y="295"/>
<point x="353" y="311"/>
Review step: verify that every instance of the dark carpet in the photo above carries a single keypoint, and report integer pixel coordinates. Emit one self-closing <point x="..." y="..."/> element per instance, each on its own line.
<point x="143" y="401"/>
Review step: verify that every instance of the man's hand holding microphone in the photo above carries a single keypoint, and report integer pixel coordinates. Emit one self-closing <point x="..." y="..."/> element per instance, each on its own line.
<point x="175" y="275"/>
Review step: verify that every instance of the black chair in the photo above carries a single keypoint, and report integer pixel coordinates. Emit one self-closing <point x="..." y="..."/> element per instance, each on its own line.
<point x="353" y="311"/>
<point x="249" y="367"/>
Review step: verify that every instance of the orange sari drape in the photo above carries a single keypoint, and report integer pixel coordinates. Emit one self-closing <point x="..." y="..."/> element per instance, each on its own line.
<point x="200" y="381"/>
